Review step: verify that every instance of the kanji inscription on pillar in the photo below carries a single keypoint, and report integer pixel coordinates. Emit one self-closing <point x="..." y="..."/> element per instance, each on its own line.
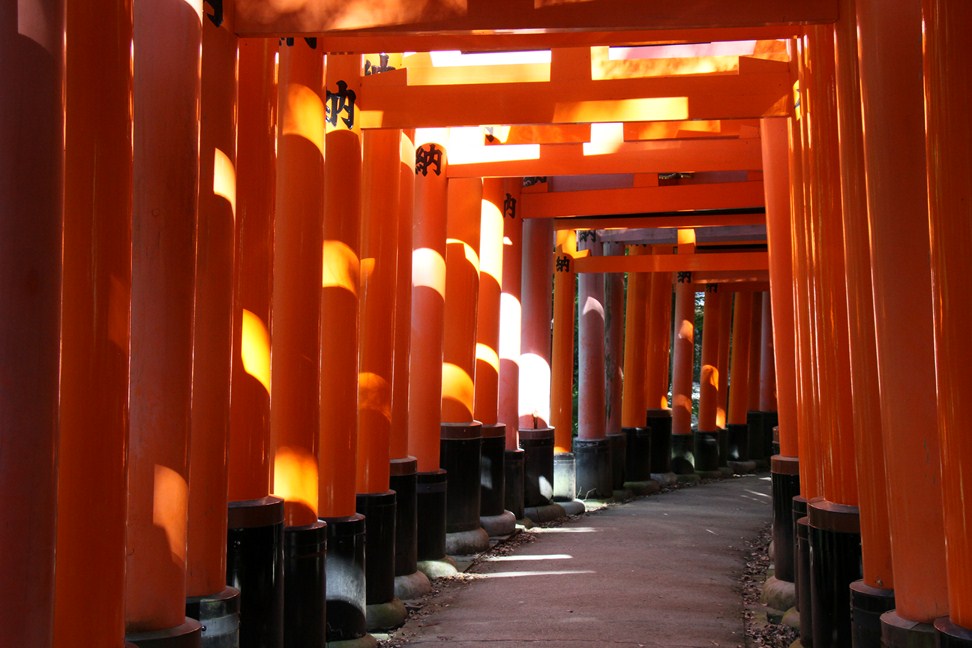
<point x="684" y="277"/>
<point x="563" y="263"/>
<point x="509" y="206"/>
<point x="340" y="103"/>
<point x="428" y="156"/>
<point x="383" y="66"/>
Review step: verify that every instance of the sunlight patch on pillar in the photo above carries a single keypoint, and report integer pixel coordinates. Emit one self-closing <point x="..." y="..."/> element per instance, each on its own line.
<point x="255" y="348"/>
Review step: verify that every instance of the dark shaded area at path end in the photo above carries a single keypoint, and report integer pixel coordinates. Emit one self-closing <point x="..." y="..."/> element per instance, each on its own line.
<point x="657" y="571"/>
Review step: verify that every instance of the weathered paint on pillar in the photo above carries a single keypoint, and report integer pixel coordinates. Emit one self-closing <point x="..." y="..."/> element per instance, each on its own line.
<point x="509" y="340"/>
<point x="742" y="313"/>
<point x="213" y="312"/>
<point x="725" y="319"/>
<point x="562" y="361"/>
<point x="659" y="339"/>
<point x="428" y="303"/>
<point x="295" y="325"/>
<point x="398" y="446"/>
<point x="494" y="210"/>
<point x="534" y="408"/>
<point x="614" y="336"/>
<point x="709" y="377"/>
<point x="776" y="185"/>
<point x="890" y="66"/>
<point x="339" y="288"/>
<point x="381" y="175"/>
<point x="948" y="91"/>
<point x="868" y="441"/>
<point x="95" y="311"/>
<point x="636" y="331"/>
<point x="165" y="176"/>
<point x="683" y="339"/>
<point x="249" y="451"/>
<point x="465" y="196"/>
<point x="590" y="352"/>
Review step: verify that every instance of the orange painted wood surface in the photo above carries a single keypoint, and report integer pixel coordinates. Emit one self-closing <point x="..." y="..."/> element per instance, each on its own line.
<point x="537" y="268"/>
<point x="636" y="341"/>
<point x="403" y="299"/>
<point x="510" y="312"/>
<point x="659" y="339"/>
<point x="562" y="354"/>
<point x="742" y="313"/>
<point x="683" y="350"/>
<point x="709" y="377"/>
<point x="494" y="210"/>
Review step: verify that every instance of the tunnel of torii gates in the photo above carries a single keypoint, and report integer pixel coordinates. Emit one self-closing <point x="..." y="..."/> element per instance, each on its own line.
<point x="199" y="196"/>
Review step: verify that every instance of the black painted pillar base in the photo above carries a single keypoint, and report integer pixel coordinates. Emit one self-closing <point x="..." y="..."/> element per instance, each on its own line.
<point x="775" y="434"/>
<point x="755" y="442"/>
<point x="460" y="456"/>
<point x="186" y="635"/>
<point x="867" y="605"/>
<point x="404" y="482"/>
<point x="722" y="435"/>
<point x="617" y="443"/>
<point x="835" y="563"/>
<point x="514" y="482"/>
<point x="538" y="478"/>
<point x="949" y="635"/>
<point x="706" y="451"/>
<point x="770" y="421"/>
<point x="565" y="476"/>
<point x="254" y="565"/>
<point x="659" y="424"/>
<point x="594" y="479"/>
<point x="738" y="434"/>
<point x="683" y="454"/>
<point x="345" y="567"/>
<point x="383" y="610"/>
<point x="219" y="616"/>
<point x="305" y="585"/>
<point x="898" y="632"/>
<point x="637" y="454"/>
<point x="785" y="473"/>
<point x="801" y="535"/>
<point x="492" y="471"/>
<point x="431" y="507"/>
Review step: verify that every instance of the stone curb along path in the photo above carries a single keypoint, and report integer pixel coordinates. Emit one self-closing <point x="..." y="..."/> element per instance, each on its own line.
<point x="655" y="571"/>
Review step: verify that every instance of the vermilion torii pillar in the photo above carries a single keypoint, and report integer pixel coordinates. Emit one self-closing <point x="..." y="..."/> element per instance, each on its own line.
<point x="381" y="177"/>
<point x="706" y="439"/>
<point x="742" y="313"/>
<point x="659" y="416"/>
<point x="425" y="347"/>
<point x="591" y="448"/>
<point x="209" y="599"/>
<point x="536" y="435"/>
<point x="498" y="205"/>
<point x="167" y="37"/>
<point x="562" y="365"/>
<point x="890" y="67"/>
<point x="509" y="347"/>
<point x="461" y="434"/>
<point x="683" y="342"/>
<point x="722" y="403"/>
<point x="255" y="520"/>
<point x="637" y="344"/>
<point x="295" y="327"/>
<point x="96" y="304"/>
<point x="613" y="362"/>
<point x="346" y="599"/>
<point x="948" y="88"/>
<point x="874" y="593"/>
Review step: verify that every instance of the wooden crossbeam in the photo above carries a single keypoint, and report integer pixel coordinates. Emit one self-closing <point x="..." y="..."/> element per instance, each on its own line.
<point x="421" y="25"/>
<point x="728" y="195"/>
<point x="663" y="156"/>
<point x="761" y="89"/>
<point x="687" y="220"/>
<point x="709" y="262"/>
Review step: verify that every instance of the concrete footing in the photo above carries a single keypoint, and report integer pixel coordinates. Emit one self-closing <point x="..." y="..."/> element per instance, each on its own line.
<point x="898" y="632"/>
<point x="742" y="467"/>
<point x="412" y="586"/>
<point x="498" y="525"/>
<point x="665" y="479"/>
<point x="366" y="641"/>
<point x="779" y="594"/>
<point x="545" y="513"/>
<point x="465" y="543"/>
<point x="385" y="616"/>
<point x="642" y="488"/>
<point x="441" y="568"/>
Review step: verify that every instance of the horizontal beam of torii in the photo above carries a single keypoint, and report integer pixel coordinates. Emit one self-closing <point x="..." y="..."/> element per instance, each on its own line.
<point x="659" y="156"/>
<point x="762" y="88"/>
<point x="702" y="263"/>
<point x="603" y="202"/>
<point x="421" y="25"/>
<point x="687" y="220"/>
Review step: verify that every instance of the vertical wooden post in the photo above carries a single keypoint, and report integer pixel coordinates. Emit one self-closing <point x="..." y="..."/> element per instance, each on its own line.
<point x="722" y="366"/>
<point x="709" y="378"/>
<point x="403" y="299"/>
<point x="890" y="66"/>
<point x="490" y="288"/>
<point x="510" y="311"/>
<point x="659" y="339"/>
<point x="739" y="369"/>
<point x="535" y="332"/>
<point x="562" y="355"/>
<point x="684" y="351"/>
<point x="96" y="306"/>
<point x="636" y="334"/>
<point x="166" y="184"/>
<point x="947" y="93"/>
<point x="614" y="344"/>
